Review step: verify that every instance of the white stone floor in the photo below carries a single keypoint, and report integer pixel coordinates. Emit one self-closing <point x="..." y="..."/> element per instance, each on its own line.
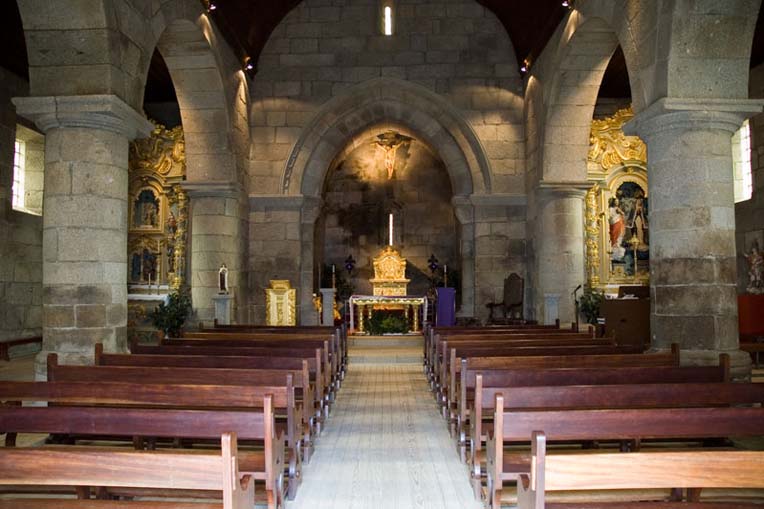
<point x="385" y="446"/>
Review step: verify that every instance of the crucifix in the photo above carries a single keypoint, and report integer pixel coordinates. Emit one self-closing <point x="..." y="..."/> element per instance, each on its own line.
<point x="389" y="143"/>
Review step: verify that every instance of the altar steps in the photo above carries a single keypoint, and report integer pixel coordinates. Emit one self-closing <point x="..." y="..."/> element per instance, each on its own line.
<point x="394" y="349"/>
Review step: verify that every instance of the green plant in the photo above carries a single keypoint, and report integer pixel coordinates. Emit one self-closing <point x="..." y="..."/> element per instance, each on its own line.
<point x="387" y="322"/>
<point x="589" y="305"/>
<point x="170" y="317"/>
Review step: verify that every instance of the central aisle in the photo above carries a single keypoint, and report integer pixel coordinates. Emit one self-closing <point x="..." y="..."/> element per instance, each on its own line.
<point x="385" y="446"/>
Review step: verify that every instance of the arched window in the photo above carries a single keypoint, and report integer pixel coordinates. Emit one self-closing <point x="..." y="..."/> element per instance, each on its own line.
<point x="741" y="163"/>
<point x="28" y="165"/>
<point x="387" y="19"/>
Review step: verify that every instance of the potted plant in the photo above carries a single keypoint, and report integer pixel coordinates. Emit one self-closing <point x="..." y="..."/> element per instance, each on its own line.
<point x="170" y="317"/>
<point x="589" y="304"/>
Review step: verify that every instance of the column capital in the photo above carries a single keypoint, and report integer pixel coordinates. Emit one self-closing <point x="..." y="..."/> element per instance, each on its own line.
<point x="677" y="113"/>
<point x="211" y="189"/>
<point x="102" y="112"/>
<point x="563" y="189"/>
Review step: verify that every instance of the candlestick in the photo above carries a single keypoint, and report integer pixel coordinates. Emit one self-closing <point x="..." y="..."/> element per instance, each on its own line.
<point x="390" y="228"/>
<point x="445" y="275"/>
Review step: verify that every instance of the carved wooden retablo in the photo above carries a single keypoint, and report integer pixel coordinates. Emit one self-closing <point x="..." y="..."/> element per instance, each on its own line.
<point x="280" y="303"/>
<point x="390" y="273"/>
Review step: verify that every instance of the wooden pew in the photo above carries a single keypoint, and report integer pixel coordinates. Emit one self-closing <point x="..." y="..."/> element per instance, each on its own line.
<point x="336" y="343"/>
<point x="203" y="349"/>
<point x="436" y="350"/>
<point x="523" y="377"/>
<point x="575" y="355"/>
<point x="442" y="345"/>
<point x="606" y="424"/>
<point x="654" y="470"/>
<point x="217" y="471"/>
<point x="340" y="331"/>
<point x="266" y="465"/>
<point x="583" y="397"/>
<point x="190" y="397"/>
<point x="330" y="346"/>
<point x="310" y="368"/>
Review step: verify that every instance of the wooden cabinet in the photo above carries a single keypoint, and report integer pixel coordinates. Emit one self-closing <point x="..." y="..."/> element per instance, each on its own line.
<point x="628" y="320"/>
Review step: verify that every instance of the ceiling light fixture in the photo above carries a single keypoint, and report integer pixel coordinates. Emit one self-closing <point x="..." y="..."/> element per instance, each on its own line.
<point x="565" y="3"/>
<point x="526" y="65"/>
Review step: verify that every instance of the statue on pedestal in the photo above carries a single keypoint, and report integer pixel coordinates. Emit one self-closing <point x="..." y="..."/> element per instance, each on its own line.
<point x="223" y="280"/>
<point x="755" y="261"/>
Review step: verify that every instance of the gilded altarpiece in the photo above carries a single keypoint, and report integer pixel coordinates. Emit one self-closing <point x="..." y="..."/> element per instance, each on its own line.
<point x="617" y="214"/>
<point x="158" y="223"/>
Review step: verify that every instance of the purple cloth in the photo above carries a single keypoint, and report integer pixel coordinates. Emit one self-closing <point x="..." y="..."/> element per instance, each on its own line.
<point x="445" y="314"/>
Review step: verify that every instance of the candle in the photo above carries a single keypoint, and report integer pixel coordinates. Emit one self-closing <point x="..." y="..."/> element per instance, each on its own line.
<point x="390" y="228"/>
<point x="334" y="279"/>
<point x="149" y="279"/>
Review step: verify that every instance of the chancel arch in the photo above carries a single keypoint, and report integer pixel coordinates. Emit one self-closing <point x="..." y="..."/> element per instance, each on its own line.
<point x="344" y="123"/>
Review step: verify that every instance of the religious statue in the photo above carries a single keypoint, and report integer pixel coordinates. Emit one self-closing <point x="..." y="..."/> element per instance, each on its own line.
<point x="149" y="266"/>
<point x="617" y="229"/>
<point x="223" y="280"/>
<point x="755" y="261"/>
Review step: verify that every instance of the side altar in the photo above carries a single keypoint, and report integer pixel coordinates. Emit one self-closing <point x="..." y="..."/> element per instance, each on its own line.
<point x="390" y="287"/>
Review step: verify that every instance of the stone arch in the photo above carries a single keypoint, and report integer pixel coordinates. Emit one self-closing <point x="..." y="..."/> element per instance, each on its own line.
<point x="708" y="36"/>
<point x="376" y="102"/>
<point x="387" y="100"/>
<point x="197" y="62"/>
<point x="574" y="90"/>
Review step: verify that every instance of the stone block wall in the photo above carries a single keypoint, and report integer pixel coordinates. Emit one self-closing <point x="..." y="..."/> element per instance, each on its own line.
<point x="323" y="48"/>
<point x="20" y="233"/>
<point x="358" y="198"/>
<point x="274" y="246"/>
<point x="749" y="215"/>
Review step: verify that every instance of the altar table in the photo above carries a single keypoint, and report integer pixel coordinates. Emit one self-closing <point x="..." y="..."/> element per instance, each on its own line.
<point x="367" y="303"/>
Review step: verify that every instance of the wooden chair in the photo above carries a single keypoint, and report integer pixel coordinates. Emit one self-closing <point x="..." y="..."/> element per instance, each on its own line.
<point x="512" y="305"/>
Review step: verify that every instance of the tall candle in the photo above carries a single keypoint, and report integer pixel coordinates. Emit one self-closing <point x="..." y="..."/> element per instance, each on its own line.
<point x="390" y="228"/>
<point x="334" y="279"/>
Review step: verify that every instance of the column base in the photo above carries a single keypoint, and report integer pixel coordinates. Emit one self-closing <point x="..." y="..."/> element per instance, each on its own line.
<point x="740" y="362"/>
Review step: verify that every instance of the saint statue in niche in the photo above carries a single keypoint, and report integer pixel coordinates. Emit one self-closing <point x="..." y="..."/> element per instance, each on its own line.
<point x="146" y="210"/>
<point x="628" y="219"/>
<point x="617" y="229"/>
<point x="149" y="265"/>
<point x="223" y="280"/>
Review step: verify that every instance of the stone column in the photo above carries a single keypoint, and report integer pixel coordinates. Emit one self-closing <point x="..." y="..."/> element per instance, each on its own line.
<point x="560" y="247"/>
<point x="464" y="212"/>
<point x="215" y="239"/>
<point x="84" y="222"/>
<point x="308" y="215"/>
<point x="693" y="280"/>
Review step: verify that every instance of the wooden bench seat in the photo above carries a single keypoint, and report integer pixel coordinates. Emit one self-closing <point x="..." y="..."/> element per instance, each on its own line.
<point x="203" y="350"/>
<point x="653" y="470"/>
<point x="551" y="358"/>
<point x="577" y="397"/>
<point x="607" y="424"/>
<point x="170" y="472"/>
<point x="311" y="369"/>
<point x="333" y="369"/>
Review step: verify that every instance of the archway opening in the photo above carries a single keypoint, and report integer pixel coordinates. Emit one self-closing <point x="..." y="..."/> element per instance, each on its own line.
<point x="387" y="170"/>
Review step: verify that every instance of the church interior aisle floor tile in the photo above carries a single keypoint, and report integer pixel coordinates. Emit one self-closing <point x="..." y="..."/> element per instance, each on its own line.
<point x="385" y="446"/>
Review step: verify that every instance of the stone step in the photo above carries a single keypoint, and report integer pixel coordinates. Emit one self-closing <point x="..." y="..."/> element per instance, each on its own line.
<point x="386" y="341"/>
<point x="383" y="355"/>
